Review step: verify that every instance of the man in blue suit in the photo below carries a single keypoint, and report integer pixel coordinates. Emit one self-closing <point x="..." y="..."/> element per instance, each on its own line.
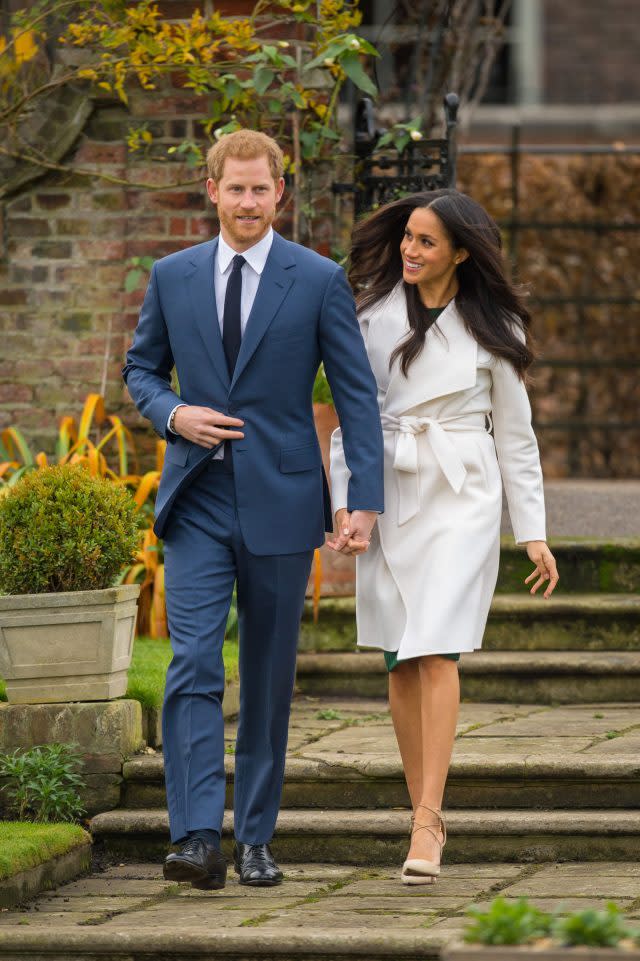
<point x="245" y="319"/>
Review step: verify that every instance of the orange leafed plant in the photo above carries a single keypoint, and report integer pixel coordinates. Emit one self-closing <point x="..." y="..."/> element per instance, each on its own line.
<point x="96" y="439"/>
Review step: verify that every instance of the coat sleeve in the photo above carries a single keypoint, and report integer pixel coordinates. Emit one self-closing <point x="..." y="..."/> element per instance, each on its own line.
<point x="340" y="473"/>
<point x="518" y="454"/>
<point x="359" y="445"/>
<point x="147" y="371"/>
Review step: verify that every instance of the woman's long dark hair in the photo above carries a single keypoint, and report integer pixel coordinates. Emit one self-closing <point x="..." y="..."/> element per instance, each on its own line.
<point x="487" y="302"/>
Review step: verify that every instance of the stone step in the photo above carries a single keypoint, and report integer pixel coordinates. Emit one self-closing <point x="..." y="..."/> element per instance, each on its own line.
<point x="477" y="779"/>
<point x="380" y="837"/>
<point x="586" y="564"/>
<point x="540" y="677"/>
<point x="585" y="622"/>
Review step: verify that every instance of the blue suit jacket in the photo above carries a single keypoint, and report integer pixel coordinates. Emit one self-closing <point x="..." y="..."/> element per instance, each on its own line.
<point x="303" y="314"/>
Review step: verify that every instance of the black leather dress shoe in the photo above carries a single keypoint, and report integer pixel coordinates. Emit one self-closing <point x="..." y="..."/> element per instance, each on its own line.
<point x="255" y="865"/>
<point x="198" y="862"/>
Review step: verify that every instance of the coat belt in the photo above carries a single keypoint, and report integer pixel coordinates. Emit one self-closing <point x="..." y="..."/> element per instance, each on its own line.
<point x="405" y="460"/>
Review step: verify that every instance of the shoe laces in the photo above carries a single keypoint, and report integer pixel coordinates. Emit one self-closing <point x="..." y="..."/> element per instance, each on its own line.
<point x="258" y="851"/>
<point x="192" y="846"/>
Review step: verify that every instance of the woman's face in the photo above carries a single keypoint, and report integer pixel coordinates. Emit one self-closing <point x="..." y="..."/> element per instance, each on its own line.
<point x="427" y="253"/>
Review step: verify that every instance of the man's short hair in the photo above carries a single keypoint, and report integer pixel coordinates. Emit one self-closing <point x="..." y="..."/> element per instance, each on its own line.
<point x="244" y="145"/>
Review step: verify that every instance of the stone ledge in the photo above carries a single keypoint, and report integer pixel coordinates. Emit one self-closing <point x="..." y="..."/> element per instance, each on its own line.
<point x="481" y="662"/>
<point x="104" y="733"/>
<point x="395" y="823"/>
<point x="380" y="837"/>
<point x="106" y="730"/>
<point x="27" y="884"/>
<point x="284" y="944"/>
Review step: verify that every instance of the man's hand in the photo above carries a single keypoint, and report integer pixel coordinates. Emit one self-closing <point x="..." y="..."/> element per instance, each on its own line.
<point x="353" y="531"/>
<point x="546" y="569"/>
<point x="204" y="426"/>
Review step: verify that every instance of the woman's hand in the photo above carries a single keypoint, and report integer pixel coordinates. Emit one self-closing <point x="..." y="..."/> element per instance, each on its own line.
<point x="546" y="569"/>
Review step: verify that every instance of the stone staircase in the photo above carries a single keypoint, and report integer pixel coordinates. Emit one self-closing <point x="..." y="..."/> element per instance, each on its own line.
<point x="530" y="780"/>
<point x="580" y="646"/>
<point x="542" y="797"/>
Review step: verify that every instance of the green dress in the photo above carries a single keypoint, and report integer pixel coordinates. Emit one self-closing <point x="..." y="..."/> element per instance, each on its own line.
<point x="390" y="657"/>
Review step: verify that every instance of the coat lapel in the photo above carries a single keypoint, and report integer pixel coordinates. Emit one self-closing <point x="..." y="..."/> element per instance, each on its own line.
<point x="200" y="282"/>
<point x="275" y="283"/>
<point x="446" y="365"/>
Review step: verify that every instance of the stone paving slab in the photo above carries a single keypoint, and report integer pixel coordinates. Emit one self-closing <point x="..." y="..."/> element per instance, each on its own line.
<point x="317" y="898"/>
<point x="361" y="730"/>
<point x="340" y="731"/>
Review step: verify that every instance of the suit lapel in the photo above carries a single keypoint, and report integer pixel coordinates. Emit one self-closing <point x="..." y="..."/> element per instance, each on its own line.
<point x="447" y="364"/>
<point x="275" y="283"/>
<point x="202" y="292"/>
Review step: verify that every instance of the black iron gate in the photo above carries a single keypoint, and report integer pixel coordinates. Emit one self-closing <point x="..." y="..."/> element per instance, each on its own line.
<point x="384" y="174"/>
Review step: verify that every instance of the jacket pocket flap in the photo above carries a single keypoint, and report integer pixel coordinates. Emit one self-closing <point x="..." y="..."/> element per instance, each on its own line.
<point x="177" y="451"/>
<point x="294" y="459"/>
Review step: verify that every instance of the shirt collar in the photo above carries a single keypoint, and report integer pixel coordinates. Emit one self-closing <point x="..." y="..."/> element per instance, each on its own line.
<point x="255" y="256"/>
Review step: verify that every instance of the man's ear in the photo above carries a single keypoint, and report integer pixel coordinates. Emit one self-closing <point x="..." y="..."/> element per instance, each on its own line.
<point x="212" y="190"/>
<point x="279" y="189"/>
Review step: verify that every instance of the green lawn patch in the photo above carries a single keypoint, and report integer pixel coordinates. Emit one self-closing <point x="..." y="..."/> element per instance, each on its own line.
<point x="24" y="845"/>
<point x="149" y="664"/>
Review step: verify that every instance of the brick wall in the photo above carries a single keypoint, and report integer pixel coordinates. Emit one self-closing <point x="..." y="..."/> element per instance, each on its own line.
<point x="591" y="51"/>
<point x="65" y="320"/>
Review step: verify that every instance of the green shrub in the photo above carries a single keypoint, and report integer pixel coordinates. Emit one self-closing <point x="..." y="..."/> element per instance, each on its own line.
<point x="598" y="929"/>
<point x="42" y="783"/>
<point x="63" y="530"/>
<point x="508" y="922"/>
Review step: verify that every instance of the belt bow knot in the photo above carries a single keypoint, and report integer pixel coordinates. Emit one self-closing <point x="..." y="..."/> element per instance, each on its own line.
<point x="405" y="460"/>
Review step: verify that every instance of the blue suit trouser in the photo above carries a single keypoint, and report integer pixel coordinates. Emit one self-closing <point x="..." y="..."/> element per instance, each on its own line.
<point x="205" y="555"/>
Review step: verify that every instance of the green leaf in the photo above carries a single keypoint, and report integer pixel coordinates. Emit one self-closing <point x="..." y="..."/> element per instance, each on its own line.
<point x="132" y="280"/>
<point x="262" y="80"/>
<point x="350" y="63"/>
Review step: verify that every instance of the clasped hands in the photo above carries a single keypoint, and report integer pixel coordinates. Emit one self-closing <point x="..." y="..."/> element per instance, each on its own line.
<point x="353" y="531"/>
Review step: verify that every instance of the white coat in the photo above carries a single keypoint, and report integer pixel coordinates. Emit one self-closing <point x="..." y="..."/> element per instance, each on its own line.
<point x="425" y="584"/>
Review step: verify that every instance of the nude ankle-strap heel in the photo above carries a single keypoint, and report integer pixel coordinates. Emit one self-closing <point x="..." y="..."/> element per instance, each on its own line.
<point x="418" y="870"/>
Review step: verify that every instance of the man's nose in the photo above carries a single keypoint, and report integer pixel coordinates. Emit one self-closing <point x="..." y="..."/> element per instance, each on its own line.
<point x="248" y="200"/>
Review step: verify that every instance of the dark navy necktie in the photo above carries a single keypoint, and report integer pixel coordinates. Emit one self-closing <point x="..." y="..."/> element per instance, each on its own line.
<point x="232" y="332"/>
<point x="231" y="324"/>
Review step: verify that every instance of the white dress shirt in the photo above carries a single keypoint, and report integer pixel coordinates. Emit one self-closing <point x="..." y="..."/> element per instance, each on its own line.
<point x="256" y="258"/>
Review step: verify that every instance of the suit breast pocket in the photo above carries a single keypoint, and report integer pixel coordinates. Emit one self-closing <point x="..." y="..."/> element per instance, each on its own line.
<point x="289" y="334"/>
<point x="294" y="459"/>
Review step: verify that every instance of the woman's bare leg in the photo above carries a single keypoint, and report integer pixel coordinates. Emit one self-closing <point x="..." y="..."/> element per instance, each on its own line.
<point x="440" y="699"/>
<point x="405" y="702"/>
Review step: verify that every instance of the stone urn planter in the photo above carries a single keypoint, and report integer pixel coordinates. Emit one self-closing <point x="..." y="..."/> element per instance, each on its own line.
<point x="68" y="646"/>
<point x="66" y="634"/>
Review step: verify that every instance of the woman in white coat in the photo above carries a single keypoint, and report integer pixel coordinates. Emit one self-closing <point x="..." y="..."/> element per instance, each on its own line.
<point x="447" y="338"/>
